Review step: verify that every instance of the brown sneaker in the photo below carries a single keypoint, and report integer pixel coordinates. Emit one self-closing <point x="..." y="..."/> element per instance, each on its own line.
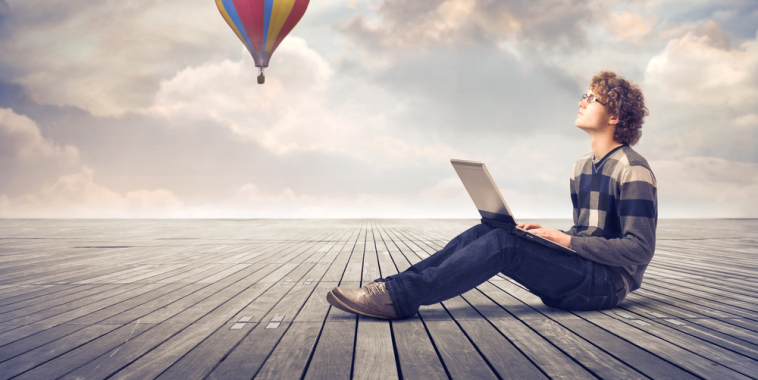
<point x="372" y="300"/>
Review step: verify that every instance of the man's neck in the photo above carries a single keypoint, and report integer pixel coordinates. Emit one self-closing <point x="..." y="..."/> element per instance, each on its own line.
<point x="601" y="145"/>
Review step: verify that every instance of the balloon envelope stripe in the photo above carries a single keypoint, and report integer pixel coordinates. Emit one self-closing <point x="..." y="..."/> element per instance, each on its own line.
<point x="268" y="30"/>
<point x="268" y="8"/>
<point x="226" y="7"/>
<point x="297" y="12"/>
<point x="281" y="11"/>
<point x="242" y="8"/>
<point x="257" y="11"/>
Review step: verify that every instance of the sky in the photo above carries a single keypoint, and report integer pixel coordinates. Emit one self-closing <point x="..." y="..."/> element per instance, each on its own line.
<point x="151" y="109"/>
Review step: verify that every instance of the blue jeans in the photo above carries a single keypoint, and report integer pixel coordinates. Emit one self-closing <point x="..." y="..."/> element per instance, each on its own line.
<point x="567" y="282"/>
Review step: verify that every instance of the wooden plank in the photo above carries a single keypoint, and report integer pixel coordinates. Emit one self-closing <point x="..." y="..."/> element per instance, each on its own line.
<point x="39" y="355"/>
<point x="370" y="271"/>
<point x="113" y="360"/>
<point x="190" y="308"/>
<point x="20" y="346"/>
<point x="41" y="333"/>
<point x="417" y="357"/>
<point x="540" y="351"/>
<point x="333" y="355"/>
<point x="548" y="323"/>
<point x="374" y="353"/>
<point x="50" y="294"/>
<point x="123" y="303"/>
<point x="290" y="357"/>
<point x="285" y="299"/>
<point x="84" y="305"/>
<point x="501" y="354"/>
<point x="11" y="293"/>
<point x="201" y="322"/>
<point x="743" y="334"/>
<point x="460" y="357"/>
<point x="154" y="306"/>
<point x="690" y="343"/>
<point x="84" y="354"/>
<point x="54" y="303"/>
<point x="315" y="308"/>
<point x="637" y="358"/>
<point x="683" y="358"/>
<point x="201" y="360"/>
<point x="250" y="354"/>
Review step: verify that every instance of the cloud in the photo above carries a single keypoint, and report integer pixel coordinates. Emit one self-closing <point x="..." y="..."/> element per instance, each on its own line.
<point x="21" y="139"/>
<point x="299" y="108"/>
<point x="445" y="189"/>
<point x="534" y="25"/>
<point x="702" y="97"/>
<point x="748" y="122"/>
<point x="79" y="196"/>
<point x="251" y="195"/>
<point x="227" y="92"/>
<point x="252" y="202"/>
<point x="630" y="26"/>
<point x="712" y="187"/>
<point x="107" y="57"/>
<point x="4" y="11"/>
<point x="723" y="77"/>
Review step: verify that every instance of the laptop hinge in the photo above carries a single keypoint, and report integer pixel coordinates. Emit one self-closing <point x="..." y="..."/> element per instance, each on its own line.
<point x="498" y="224"/>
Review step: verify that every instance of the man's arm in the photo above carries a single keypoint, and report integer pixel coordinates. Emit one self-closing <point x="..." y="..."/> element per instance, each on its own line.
<point x="638" y="214"/>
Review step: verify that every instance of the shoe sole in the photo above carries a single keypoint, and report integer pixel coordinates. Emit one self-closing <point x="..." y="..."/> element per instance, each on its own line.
<point x="332" y="299"/>
<point x="339" y="304"/>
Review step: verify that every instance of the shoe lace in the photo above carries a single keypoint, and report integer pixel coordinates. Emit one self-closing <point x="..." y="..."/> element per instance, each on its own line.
<point x="376" y="288"/>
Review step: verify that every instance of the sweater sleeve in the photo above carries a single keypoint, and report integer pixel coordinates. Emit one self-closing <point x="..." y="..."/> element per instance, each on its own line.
<point x="636" y="204"/>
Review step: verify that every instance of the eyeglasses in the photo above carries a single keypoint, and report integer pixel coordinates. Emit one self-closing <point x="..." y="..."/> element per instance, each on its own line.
<point x="590" y="98"/>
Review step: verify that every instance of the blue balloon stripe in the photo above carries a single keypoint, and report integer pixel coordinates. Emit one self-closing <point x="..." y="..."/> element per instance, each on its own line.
<point x="229" y="7"/>
<point x="267" y="20"/>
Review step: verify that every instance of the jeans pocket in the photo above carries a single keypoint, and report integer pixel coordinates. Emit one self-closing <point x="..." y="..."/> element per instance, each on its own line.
<point x="580" y="302"/>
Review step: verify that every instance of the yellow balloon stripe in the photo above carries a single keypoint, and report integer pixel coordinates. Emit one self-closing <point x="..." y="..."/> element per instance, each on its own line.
<point x="229" y="21"/>
<point x="279" y="14"/>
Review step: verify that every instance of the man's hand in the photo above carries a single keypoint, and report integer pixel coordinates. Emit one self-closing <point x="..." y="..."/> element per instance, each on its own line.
<point x="529" y="226"/>
<point x="548" y="233"/>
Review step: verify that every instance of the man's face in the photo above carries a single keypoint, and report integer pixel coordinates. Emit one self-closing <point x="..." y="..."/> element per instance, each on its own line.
<point x="593" y="115"/>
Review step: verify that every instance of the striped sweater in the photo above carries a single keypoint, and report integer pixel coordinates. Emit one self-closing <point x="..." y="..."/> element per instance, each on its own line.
<point x="615" y="212"/>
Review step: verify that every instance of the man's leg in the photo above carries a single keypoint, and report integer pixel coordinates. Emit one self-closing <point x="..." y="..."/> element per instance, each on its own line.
<point x="565" y="281"/>
<point x="373" y="299"/>
<point x="561" y="280"/>
<point x="459" y="242"/>
<point x="452" y="272"/>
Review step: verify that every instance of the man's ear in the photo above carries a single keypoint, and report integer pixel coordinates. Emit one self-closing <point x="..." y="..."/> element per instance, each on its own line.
<point x="614" y="120"/>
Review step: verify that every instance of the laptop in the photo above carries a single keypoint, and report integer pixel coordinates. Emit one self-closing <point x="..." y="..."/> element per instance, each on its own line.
<point x="490" y="203"/>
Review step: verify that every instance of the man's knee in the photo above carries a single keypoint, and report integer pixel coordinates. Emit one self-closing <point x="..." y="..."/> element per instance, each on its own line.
<point x="480" y="229"/>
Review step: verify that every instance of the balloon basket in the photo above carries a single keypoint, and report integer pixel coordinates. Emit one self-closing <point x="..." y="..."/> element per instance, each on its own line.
<point x="261" y="78"/>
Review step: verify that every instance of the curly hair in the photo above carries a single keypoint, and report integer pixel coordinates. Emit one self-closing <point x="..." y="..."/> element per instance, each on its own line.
<point x="623" y="99"/>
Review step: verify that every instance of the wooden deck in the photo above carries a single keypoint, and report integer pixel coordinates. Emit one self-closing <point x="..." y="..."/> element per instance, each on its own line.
<point x="242" y="299"/>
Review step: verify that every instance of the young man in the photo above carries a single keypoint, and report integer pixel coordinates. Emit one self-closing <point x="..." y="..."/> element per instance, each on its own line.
<point x="613" y="192"/>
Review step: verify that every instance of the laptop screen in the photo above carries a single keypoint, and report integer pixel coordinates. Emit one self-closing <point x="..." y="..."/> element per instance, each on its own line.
<point x="483" y="191"/>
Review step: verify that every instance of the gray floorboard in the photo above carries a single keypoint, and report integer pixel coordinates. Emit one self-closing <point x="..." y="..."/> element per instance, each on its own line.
<point x="245" y="299"/>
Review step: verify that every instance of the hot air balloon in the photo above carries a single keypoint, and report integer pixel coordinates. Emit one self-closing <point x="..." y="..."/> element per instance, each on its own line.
<point x="262" y="24"/>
